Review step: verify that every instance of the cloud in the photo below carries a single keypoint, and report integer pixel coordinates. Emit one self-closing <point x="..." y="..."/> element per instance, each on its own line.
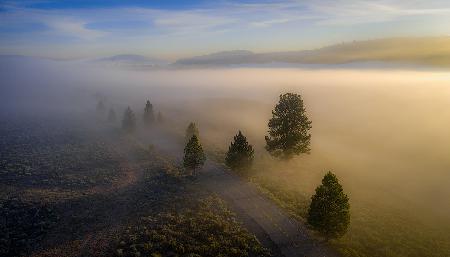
<point x="341" y="12"/>
<point x="75" y="29"/>
<point x="267" y="23"/>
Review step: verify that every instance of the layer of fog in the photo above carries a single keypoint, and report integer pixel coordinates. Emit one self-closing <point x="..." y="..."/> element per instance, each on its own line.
<point x="386" y="132"/>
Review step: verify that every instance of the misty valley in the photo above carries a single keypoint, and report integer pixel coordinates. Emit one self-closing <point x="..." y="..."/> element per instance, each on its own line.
<point x="268" y="161"/>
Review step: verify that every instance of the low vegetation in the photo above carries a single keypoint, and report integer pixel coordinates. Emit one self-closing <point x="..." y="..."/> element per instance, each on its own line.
<point x="207" y="229"/>
<point x="23" y="225"/>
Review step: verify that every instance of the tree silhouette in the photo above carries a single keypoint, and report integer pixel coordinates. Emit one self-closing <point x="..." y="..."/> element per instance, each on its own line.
<point x="288" y="128"/>
<point x="112" y="115"/>
<point x="129" y="120"/>
<point x="194" y="157"/>
<point x="149" y="116"/>
<point x="191" y="131"/>
<point x="240" y="154"/>
<point x="329" y="212"/>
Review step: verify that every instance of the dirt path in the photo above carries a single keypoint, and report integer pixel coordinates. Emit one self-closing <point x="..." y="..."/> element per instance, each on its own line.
<point x="271" y="225"/>
<point x="290" y="236"/>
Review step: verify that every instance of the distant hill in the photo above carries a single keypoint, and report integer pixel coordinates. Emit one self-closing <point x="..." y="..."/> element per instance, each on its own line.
<point x="428" y="51"/>
<point x="220" y="58"/>
<point x="131" y="60"/>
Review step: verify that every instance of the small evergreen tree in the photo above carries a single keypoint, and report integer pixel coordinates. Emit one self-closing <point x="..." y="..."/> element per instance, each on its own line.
<point x="112" y="116"/>
<point x="191" y="131"/>
<point x="288" y="128"/>
<point x="329" y="212"/>
<point x="129" y="120"/>
<point x="149" y="116"/>
<point x="160" y="118"/>
<point x="240" y="153"/>
<point x="194" y="157"/>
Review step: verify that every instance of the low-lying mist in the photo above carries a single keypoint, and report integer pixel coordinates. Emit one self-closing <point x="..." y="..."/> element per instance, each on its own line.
<point x="386" y="134"/>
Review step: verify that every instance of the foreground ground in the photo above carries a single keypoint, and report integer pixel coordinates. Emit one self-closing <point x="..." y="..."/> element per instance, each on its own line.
<point x="76" y="189"/>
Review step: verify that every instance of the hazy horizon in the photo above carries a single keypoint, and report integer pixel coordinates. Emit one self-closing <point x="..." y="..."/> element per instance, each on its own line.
<point x="177" y="29"/>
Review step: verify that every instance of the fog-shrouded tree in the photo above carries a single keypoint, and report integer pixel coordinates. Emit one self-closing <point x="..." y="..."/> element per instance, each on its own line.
<point x="129" y="120"/>
<point x="240" y="154"/>
<point x="191" y="131"/>
<point x="288" y="128"/>
<point x="329" y="211"/>
<point x="194" y="157"/>
<point x="160" y="118"/>
<point x="112" y="115"/>
<point x="149" y="116"/>
<point x="100" y="106"/>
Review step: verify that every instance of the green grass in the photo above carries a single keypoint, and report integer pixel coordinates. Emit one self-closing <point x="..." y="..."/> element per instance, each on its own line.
<point x="376" y="228"/>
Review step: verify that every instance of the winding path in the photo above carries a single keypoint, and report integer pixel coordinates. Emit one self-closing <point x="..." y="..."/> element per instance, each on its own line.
<point x="271" y="225"/>
<point x="290" y="236"/>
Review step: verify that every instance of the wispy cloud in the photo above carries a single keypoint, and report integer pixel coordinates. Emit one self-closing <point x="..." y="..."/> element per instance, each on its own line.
<point x="340" y="12"/>
<point x="75" y="29"/>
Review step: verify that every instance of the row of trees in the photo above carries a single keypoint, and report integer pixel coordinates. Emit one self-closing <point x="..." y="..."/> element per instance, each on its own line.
<point x="288" y="136"/>
<point x="129" y="118"/>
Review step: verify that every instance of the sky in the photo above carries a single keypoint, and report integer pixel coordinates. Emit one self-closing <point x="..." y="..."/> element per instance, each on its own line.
<point x="176" y="29"/>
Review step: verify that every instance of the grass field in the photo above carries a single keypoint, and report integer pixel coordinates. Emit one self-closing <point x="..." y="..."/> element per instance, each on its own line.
<point x="74" y="189"/>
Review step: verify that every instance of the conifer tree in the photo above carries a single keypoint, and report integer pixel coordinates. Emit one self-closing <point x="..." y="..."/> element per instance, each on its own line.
<point x="191" y="131"/>
<point x="240" y="153"/>
<point x="149" y="116"/>
<point x="329" y="212"/>
<point x="288" y="128"/>
<point x="129" y="120"/>
<point x="112" y="115"/>
<point x="194" y="157"/>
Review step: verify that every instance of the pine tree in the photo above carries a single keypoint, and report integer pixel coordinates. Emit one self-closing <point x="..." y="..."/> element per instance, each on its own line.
<point x="288" y="128"/>
<point x="194" y="157"/>
<point x="191" y="131"/>
<point x="129" y="120"/>
<point x="329" y="212"/>
<point x="149" y="116"/>
<point x="240" y="154"/>
<point x="160" y="118"/>
<point x="112" y="116"/>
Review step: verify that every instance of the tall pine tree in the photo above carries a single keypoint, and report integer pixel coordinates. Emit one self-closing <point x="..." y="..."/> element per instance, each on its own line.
<point x="329" y="212"/>
<point x="288" y="128"/>
<point x="240" y="154"/>
<point x="129" y="120"/>
<point x="194" y="157"/>
<point x="149" y="116"/>
<point x="191" y="131"/>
